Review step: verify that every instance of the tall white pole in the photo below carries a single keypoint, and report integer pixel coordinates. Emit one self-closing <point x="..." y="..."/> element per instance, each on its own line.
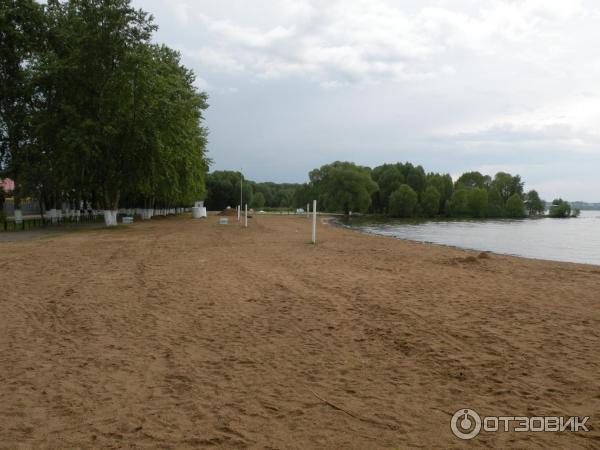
<point x="241" y="189"/>
<point x="314" y="224"/>
<point x="246" y="216"/>
<point x="239" y="212"/>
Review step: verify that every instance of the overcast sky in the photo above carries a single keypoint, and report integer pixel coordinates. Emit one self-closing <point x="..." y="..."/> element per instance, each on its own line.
<point x="453" y="85"/>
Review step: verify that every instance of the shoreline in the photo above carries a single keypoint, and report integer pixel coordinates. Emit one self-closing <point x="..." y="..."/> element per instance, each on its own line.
<point x="182" y="333"/>
<point x="337" y="223"/>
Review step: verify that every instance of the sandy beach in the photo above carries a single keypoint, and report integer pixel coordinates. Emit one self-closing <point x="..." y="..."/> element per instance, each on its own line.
<point x="188" y="334"/>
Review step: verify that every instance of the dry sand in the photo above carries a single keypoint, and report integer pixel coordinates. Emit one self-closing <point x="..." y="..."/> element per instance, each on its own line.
<point x="186" y="334"/>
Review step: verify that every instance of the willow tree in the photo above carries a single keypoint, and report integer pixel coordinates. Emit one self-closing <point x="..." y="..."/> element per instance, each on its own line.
<point x="343" y="186"/>
<point x="389" y="178"/>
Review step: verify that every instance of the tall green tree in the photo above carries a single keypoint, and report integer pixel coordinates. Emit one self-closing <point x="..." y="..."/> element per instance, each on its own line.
<point x="495" y="203"/>
<point x="515" y="207"/>
<point x="99" y="62"/>
<point x="119" y="117"/>
<point x="343" y="186"/>
<point x="164" y="133"/>
<point x="430" y="201"/>
<point x="560" y="209"/>
<point x="416" y="178"/>
<point x="389" y="178"/>
<point x="535" y="205"/>
<point x="507" y="185"/>
<point x="403" y="202"/>
<point x="304" y="195"/>
<point x="21" y="32"/>
<point x="258" y="200"/>
<point x="459" y="203"/>
<point x="477" y="199"/>
<point x="471" y="180"/>
<point x="223" y="190"/>
<point x="444" y="185"/>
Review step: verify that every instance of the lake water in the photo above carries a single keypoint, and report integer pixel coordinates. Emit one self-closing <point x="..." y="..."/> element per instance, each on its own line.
<point x="572" y="240"/>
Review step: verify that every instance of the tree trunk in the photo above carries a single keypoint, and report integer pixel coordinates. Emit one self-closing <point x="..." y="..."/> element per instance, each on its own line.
<point x="111" y="205"/>
<point x="42" y="207"/>
<point x="18" y="214"/>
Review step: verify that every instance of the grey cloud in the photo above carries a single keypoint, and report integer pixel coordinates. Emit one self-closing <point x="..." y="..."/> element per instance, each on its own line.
<point x="451" y="84"/>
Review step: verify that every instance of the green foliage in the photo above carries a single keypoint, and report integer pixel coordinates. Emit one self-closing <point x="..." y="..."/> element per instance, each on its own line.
<point x="343" y="186"/>
<point x="223" y="190"/>
<point x="304" y="194"/>
<point x="515" y="207"/>
<point x="495" y="203"/>
<point x="389" y="178"/>
<point x="258" y="200"/>
<point x="535" y="206"/>
<point x="21" y="35"/>
<point x="444" y="185"/>
<point x="560" y="209"/>
<point x="416" y="179"/>
<point x="459" y="203"/>
<point x="103" y="113"/>
<point x="403" y="202"/>
<point x="277" y="195"/>
<point x="430" y="201"/>
<point x="477" y="199"/>
<point x="507" y="185"/>
<point x="471" y="180"/>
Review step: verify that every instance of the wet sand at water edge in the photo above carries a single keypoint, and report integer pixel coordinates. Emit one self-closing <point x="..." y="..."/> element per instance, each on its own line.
<point x="188" y="334"/>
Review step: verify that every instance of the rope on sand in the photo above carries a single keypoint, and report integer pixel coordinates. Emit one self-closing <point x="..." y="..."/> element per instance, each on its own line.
<point x="327" y="402"/>
<point x="354" y="416"/>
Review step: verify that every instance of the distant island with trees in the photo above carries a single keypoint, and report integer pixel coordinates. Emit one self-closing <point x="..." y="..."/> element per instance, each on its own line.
<point x="399" y="190"/>
<point x="586" y="206"/>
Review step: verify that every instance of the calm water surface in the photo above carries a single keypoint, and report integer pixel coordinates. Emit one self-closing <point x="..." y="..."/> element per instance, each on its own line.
<point x="572" y="240"/>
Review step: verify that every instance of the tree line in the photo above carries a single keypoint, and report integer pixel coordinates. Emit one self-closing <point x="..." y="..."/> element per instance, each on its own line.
<point x="406" y="190"/>
<point x="400" y="190"/>
<point x="93" y="113"/>
<point x="225" y="188"/>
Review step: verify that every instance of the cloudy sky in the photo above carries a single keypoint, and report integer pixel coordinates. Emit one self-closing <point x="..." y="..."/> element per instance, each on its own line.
<point x="453" y="85"/>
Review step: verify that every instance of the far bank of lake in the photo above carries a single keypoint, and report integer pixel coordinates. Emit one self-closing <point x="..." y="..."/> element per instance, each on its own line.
<point x="570" y="240"/>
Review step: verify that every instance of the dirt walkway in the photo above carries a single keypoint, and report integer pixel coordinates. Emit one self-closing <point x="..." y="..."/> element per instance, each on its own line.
<point x="48" y="231"/>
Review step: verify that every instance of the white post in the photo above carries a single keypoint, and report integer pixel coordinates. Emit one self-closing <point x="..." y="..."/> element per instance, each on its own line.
<point x="241" y="189"/>
<point x="239" y="212"/>
<point x="246" y="216"/>
<point x="314" y="224"/>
